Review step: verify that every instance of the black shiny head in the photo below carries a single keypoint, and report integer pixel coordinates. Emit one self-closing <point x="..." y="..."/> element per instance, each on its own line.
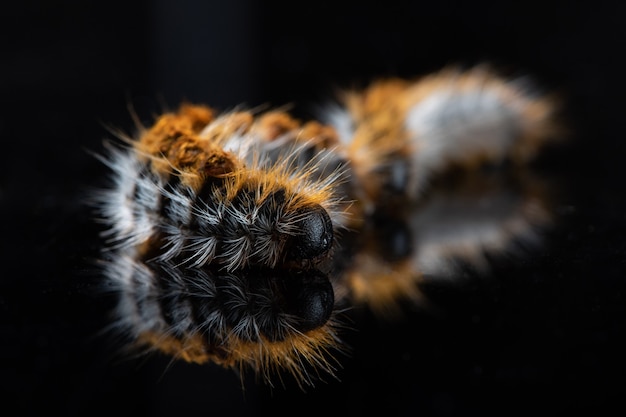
<point x="310" y="298"/>
<point x="314" y="236"/>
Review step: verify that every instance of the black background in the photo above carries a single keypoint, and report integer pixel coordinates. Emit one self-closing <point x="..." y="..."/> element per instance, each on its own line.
<point x="540" y="338"/>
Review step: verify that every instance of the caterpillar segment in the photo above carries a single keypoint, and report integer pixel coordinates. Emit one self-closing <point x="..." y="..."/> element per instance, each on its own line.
<point x="401" y="134"/>
<point x="461" y="225"/>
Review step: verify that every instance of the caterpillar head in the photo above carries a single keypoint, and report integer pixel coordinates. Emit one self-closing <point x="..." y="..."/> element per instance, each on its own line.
<point x="315" y="235"/>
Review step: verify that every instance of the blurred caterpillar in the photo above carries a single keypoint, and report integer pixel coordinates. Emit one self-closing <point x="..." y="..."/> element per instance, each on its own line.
<point x="233" y="238"/>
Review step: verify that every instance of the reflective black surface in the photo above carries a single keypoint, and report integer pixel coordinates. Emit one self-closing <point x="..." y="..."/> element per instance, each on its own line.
<point x="534" y="338"/>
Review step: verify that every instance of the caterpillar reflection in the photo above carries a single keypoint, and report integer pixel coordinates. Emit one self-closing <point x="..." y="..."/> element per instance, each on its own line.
<point x="233" y="237"/>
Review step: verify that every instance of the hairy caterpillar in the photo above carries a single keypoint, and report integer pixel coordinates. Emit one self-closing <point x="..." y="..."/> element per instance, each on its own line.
<point x="232" y="237"/>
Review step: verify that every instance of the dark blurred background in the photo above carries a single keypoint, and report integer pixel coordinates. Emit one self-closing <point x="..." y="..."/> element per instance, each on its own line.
<point x="541" y="338"/>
